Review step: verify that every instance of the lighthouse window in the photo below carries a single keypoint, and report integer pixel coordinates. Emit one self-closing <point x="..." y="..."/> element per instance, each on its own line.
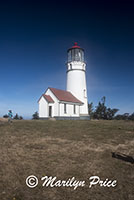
<point x="65" y="108"/>
<point x="77" y="55"/>
<point x="85" y="96"/>
<point x="74" y="109"/>
<point x="82" y="56"/>
<point x="69" y="56"/>
<point x="73" y="54"/>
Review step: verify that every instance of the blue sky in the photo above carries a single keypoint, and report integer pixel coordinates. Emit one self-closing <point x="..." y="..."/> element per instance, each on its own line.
<point x="34" y="39"/>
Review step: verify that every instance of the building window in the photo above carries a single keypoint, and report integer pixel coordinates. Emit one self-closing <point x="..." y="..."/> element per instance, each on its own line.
<point x="74" y="109"/>
<point x="65" y="108"/>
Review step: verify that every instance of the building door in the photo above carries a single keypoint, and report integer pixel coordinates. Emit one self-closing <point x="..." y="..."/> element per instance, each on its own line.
<point x="50" y="111"/>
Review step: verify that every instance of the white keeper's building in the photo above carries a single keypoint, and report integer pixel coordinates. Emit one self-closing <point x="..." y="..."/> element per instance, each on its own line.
<point x="71" y="103"/>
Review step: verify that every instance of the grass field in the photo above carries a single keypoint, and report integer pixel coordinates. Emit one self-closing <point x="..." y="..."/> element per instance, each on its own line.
<point x="66" y="149"/>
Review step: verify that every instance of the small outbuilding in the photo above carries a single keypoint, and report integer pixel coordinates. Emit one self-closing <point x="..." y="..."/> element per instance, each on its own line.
<point x="58" y="103"/>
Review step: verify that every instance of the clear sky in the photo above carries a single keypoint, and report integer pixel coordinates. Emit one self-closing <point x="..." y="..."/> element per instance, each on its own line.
<point x="35" y="36"/>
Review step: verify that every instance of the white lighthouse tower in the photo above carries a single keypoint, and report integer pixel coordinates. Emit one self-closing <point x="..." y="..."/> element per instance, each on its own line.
<point x="76" y="77"/>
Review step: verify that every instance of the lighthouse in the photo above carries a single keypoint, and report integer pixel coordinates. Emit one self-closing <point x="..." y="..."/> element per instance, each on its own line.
<point x="76" y="76"/>
<point x="71" y="103"/>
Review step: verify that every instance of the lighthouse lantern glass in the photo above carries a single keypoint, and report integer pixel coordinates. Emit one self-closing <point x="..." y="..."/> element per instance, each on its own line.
<point x="75" y="54"/>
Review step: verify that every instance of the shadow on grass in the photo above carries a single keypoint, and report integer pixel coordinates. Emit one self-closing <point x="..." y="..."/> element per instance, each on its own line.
<point x="123" y="157"/>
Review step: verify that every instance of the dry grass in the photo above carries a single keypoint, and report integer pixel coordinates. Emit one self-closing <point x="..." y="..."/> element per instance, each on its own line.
<point x="65" y="149"/>
<point x="3" y="120"/>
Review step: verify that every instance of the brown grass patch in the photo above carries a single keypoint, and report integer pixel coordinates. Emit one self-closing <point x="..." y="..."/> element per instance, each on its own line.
<point x="65" y="149"/>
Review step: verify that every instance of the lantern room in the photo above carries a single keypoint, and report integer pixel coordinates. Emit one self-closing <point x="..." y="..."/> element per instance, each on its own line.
<point x="75" y="53"/>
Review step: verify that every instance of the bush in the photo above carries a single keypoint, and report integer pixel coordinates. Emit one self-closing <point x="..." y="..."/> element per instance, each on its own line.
<point x="17" y="117"/>
<point x="5" y="116"/>
<point x="125" y="116"/>
<point x="101" y="111"/>
<point x="35" y="115"/>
